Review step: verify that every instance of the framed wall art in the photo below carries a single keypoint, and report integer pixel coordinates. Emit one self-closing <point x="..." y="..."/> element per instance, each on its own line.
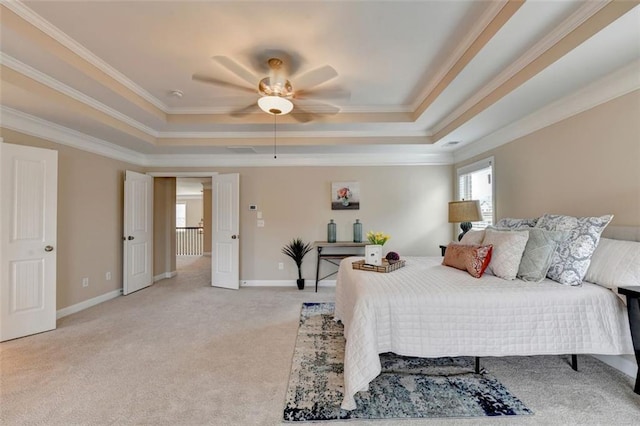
<point x="345" y="196"/>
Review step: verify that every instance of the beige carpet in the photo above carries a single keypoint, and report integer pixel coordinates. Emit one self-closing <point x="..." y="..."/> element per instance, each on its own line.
<point x="184" y="353"/>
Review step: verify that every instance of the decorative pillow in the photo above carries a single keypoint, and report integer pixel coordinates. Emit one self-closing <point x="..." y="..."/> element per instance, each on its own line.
<point x="538" y="253"/>
<point x="473" y="237"/>
<point x="471" y="258"/>
<point x="615" y="264"/>
<point x="511" y="223"/>
<point x="508" y="247"/>
<point x="572" y="257"/>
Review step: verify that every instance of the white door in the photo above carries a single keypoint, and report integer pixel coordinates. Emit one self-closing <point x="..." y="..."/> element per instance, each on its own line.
<point x="29" y="193"/>
<point x="225" y="241"/>
<point x="138" y="232"/>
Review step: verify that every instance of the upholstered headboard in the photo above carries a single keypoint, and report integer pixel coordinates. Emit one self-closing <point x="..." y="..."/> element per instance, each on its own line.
<point x="627" y="233"/>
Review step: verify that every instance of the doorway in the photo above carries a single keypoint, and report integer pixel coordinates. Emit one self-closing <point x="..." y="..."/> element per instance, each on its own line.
<point x="193" y="244"/>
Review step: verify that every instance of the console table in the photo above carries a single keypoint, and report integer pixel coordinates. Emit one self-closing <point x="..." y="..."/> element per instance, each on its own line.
<point x="633" y="309"/>
<point x="347" y="249"/>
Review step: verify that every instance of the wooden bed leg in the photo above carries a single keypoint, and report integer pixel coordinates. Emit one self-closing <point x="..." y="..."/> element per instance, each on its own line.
<point x="574" y="362"/>
<point x="477" y="365"/>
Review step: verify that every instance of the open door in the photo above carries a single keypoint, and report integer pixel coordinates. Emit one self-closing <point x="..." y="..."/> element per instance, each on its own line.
<point x="28" y="214"/>
<point x="138" y="232"/>
<point x="225" y="256"/>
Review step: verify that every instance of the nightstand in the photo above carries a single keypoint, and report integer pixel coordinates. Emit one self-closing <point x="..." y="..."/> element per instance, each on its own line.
<point x="633" y="309"/>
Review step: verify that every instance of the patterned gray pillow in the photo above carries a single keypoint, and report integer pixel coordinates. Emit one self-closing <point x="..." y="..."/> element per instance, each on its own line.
<point x="572" y="257"/>
<point x="511" y="223"/>
<point x="538" y="253"/>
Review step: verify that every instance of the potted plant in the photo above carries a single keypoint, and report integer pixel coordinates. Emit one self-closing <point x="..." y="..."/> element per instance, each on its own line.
<point x="297" y="250"/>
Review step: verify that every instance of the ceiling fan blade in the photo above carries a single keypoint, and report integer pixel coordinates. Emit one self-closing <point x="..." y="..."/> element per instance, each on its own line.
<point x="221" y="83"/>
<point x="323" y="93"/>
<point x="249" y="109"/>
<point x="315" y="77"/>
<point x="302" y="116"/>
<point x="237" y="69"/>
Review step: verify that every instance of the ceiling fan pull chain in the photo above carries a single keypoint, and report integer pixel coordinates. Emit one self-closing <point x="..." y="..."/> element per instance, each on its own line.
<point x="274" y="136"/>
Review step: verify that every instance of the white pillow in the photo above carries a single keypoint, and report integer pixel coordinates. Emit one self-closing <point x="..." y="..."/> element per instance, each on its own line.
<point x="615" y="264"/>
<point x="508" y="247"/>
<point x="473" y="237"/>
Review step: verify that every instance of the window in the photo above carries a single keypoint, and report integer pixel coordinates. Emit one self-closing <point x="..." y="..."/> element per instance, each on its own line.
<point x="181" y="215"/>
<point x="475" y="182"/>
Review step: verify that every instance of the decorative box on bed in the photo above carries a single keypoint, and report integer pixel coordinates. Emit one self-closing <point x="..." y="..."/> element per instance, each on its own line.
<point x="429" y="310"/>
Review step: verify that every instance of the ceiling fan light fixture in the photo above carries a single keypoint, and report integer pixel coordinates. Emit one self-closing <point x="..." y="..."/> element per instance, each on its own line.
<point x="275" y="105"/>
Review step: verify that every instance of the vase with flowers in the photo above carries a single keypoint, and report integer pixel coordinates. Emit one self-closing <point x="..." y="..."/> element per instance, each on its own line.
<point x="373" y="251"/>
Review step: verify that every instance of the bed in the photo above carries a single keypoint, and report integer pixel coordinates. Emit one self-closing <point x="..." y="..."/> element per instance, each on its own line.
<point x="426" y="309"/>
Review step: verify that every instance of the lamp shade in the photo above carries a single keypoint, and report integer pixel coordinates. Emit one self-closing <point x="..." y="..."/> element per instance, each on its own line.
<point x="464" y="211"/>
<point x="275" y="105"/>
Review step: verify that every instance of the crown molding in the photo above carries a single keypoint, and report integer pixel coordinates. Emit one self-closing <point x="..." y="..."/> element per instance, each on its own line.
<point x="478" y="27"/>
<point x="292" y="160"/>
<point x="586" y="10"/>
<point x="614" y="85"/>
<point x="24" y="123"/>
<point x="284" y="134"/>
<point x="54" y="32"/>
<point x="37" y="127"/>
<point x="56" y="85"/>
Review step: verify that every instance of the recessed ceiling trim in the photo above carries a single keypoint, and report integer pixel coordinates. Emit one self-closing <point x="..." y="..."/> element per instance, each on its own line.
<point x="588" y="27"/>
<point x="307" y="141"/>
<point x="63" y="101"/>
<point x="491" y="29"/>
<point x="614" y="85"/>
<point x="585" y="11"/>
<point x="180" y="138"/>
<point x="293" y="160"/>
<point x="28" y="23"/>
<point x="493" y="8"/>
<point x="54" y="84"/>
<point x="37" y="127"/>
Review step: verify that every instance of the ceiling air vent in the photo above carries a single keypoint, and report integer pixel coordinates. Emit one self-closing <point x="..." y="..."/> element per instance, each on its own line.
<point x="242" y="149"/>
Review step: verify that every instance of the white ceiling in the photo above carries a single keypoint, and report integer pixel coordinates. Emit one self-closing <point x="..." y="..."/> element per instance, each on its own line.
<point x="421" y="74"/>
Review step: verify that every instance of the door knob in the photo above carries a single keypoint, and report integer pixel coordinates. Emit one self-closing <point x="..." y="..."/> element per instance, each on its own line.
<point x="233" y="237"/>
<point x="129" y="238"/>
<point x="48" y="248"/>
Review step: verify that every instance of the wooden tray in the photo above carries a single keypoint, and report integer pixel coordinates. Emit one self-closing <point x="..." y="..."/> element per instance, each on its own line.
<point x="385" y="267"/>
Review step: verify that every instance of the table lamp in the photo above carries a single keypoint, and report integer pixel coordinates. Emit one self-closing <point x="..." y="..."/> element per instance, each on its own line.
<point x="464" y="212"/>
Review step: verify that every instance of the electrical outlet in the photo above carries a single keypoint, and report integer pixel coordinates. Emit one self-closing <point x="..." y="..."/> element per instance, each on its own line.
<point x="107" y="276"/>
<point x="85" y="282"/>
<point x="260" y="223"/>
<point x="281" y="266"/>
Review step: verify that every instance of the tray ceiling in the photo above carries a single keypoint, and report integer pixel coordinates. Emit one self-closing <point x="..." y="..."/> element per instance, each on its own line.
<point x="421" y="74"/>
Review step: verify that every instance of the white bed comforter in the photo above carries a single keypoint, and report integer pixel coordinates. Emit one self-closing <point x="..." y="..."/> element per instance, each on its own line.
<point x="429" y="310"/>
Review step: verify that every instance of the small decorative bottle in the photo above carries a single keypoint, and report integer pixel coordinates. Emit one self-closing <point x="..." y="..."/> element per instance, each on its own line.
<point x="331" y="232"/>
<point x="357" y="231"/>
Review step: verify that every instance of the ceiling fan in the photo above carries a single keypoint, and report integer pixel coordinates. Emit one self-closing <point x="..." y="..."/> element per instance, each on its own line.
<point x="277" y="93"/>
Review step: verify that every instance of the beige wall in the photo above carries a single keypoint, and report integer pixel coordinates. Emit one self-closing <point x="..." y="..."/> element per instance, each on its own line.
<point x="410" y="203"/>
<point x="90" y="204"/>
<point x="206" y="215"/>
<point x="164" y="226"/>
<point x="587" y="165"/>
<point x="194" y="210"/>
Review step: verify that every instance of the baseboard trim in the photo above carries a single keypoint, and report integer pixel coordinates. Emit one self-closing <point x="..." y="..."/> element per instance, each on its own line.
<point x="164" y="276"/>
<point x="87" y="304"/>
<point x="620" y="362"/>
<point x="286" y="283"/>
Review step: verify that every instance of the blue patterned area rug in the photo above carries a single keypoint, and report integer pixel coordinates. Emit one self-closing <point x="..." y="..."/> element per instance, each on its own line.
<point x="407" y="387"/>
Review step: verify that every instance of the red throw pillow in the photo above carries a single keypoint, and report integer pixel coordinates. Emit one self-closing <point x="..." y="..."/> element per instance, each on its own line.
<point x="471" y="258"/>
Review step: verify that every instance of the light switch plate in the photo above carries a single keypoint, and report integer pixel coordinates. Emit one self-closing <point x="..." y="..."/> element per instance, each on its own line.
<point x="260" y="223"/>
